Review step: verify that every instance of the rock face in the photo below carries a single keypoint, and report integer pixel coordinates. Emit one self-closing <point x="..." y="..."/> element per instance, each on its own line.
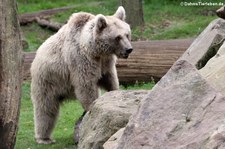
<point x="182" y="112"/>
<point x="108" y="114"/>
<point x="214" y="70"/>
<point x="206" y="44"/>
<point x="112" y="143"/>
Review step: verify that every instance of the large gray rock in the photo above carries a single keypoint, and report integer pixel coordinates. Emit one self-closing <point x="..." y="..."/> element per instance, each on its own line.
<point x="214" y="70"/>
<point x="182" y="112"/>
<point x="108" y="114"/>
<point x="206" y="44"/>
<point x="113" y="141"/>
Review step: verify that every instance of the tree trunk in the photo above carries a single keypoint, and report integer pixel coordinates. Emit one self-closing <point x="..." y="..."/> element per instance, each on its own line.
<point x="134" y="12"/>
<point x="10" y="73"/>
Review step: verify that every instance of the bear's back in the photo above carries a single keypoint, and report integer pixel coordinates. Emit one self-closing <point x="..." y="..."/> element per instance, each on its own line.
<point x="49" y="55"/>
<point x="54" y="44"/>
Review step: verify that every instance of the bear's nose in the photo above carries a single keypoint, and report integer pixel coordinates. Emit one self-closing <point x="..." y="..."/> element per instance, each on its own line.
<point x="129" y="50"/>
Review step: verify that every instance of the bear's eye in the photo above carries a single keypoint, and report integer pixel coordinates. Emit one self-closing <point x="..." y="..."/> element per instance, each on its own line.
<point x="127" y="36"/>
<point x="118" y="38"/>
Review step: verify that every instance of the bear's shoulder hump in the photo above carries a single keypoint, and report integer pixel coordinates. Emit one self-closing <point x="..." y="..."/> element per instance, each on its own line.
<point x="80" y="19"/>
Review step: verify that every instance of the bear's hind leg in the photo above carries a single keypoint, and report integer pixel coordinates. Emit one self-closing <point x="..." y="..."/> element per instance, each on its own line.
<point x="45" y="116"/>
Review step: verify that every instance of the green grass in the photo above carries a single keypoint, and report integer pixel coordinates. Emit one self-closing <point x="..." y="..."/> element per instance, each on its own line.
<point x="35" y="36"/>
<point x="138" y="86"/>
<point x="63" y="133"/>
<point x="169" y="20"/>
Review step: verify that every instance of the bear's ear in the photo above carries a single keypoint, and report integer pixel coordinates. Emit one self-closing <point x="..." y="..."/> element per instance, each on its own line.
<point x="101" y="22"/>
<point x="120" y="13"/>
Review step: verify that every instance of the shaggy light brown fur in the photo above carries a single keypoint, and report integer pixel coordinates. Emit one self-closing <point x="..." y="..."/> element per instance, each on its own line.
<point x="75" y="62"/>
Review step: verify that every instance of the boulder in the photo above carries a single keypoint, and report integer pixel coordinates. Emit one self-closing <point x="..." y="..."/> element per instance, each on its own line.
<point x="214" y="70"/>
<point x="181" y="112"/>
<point x="107" y="115"/>
<point x="206" y="45"/>
<point x="112" y="142"/>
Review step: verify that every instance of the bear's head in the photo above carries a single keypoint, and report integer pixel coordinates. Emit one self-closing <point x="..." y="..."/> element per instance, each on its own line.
<point x="112" y="35"/>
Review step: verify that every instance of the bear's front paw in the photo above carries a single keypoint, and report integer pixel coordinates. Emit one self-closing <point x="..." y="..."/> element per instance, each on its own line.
<point x="45" y="141"/>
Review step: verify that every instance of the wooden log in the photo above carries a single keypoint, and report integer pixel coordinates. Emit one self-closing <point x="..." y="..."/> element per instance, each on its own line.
<point x="28" y="58"/>
<point x="24" y="41"/>
<point x="31" y="17"/>
<point x="48" y="24"/>
<point x="149" y="60"/>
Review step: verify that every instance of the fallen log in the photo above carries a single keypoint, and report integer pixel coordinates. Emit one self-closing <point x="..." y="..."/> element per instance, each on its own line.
<point x="149" y="61"/>
<point x="48" y="24"/>
<point x="43" y="14"/>
<point x="31" y="17"/>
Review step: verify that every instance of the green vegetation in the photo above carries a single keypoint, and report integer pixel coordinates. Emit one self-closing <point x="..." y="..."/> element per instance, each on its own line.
<point x="164" y="19"/>
<point x="138" y="86"/>
<point x="169" y="20"/>
<point x="63" y="133"/>
<point x="35" y="35"/>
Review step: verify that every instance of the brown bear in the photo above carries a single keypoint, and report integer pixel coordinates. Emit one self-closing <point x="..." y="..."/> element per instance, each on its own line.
<point x="74" y="63"/>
